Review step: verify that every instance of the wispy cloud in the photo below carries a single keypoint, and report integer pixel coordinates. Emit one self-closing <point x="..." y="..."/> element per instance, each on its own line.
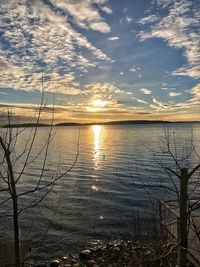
<point x="195" y="91"/>
<point x="133" y="69"/>
<point x="159" y="105"/>
<point x="193" y="71"/>
<point x="101" y="89"/>
<point x="173" y="94"/>
<point x="145" y="91"/>
<point x="85" y="14"/>
<point x="179" y="29"/>
<point x="128" y="19"/>
<point x="192" y="103"/>
<point x="140" y="100"/>
<point x="41" y="38"/>
<point x="149" y="19"/>
<point x="114" y="38"/>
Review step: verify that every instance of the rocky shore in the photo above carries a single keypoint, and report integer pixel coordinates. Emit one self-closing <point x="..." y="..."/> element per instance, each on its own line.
<point x="118" y="253"/>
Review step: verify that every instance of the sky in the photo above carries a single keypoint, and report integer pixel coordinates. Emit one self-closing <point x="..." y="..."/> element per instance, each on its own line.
<point x="100" y="60"/>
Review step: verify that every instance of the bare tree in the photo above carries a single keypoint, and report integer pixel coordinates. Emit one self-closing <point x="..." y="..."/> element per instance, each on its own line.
<point x="181" y="165"/>
<point x="185" y="169"/>
<point x="14" y="164"/>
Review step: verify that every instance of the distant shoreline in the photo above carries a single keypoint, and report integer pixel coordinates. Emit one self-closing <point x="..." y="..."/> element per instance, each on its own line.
<point x="126" y="122"/>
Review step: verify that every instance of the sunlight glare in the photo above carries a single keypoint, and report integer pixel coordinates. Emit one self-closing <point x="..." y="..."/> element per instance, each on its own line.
<point x="98" y="103"/>
<point x="96" y="131"/>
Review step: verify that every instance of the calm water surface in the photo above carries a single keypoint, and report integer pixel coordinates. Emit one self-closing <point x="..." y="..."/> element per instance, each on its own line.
<point x="91" y="201"/>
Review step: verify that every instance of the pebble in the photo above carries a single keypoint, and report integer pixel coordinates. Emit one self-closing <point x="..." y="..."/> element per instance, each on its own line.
<point x="118" y="253"/>
<point x="55" y="263"/>
<point x="85" y="254"/>
<point x="64" y="258"/>
<point x="91" y="263"/>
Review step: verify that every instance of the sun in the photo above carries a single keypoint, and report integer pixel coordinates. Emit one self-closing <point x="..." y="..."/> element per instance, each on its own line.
<point x="98" y="103"/>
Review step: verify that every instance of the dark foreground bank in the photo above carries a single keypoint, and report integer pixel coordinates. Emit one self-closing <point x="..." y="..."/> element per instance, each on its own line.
<point x="120" y="253"/>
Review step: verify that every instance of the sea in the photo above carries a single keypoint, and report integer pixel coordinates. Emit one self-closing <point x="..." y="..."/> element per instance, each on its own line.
<point x="107" y="181"/>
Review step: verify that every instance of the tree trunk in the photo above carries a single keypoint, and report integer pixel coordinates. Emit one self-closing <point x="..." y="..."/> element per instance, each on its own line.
<point x="183" y="234"/>
<point x="13" y="192"/>
<point x="16" y="232"/>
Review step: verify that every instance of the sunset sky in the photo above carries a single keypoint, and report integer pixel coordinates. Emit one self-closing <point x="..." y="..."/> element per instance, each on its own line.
<point x="101" y="60"/>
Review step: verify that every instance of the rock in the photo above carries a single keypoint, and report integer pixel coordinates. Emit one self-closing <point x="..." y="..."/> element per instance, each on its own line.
<point x="85" y="254"/>
<point x="136" y="249"/>
<point x="55" y="263"/>
<point x="121" y="246"/>
<point x="64" y="258"/>
<point x="73" y="261"/>
<point x="108" y="246"/>
<point x="98" y="253"/>
<point x="91" y="263"/>
<point x="100" y="260"/>
<point x="148" y="253"/>
<point x="115" y="252"/>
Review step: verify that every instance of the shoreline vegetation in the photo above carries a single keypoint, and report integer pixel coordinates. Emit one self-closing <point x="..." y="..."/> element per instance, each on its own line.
<point x="126" y="122"/>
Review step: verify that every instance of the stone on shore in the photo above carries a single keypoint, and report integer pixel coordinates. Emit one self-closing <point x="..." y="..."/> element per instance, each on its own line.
<point x="118" y="253"/>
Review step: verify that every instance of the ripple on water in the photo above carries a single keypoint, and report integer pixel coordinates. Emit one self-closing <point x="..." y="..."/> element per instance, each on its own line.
<point x="91" y="201"/>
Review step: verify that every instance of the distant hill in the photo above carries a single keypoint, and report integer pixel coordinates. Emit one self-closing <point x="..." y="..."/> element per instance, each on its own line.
<point x="135" y="122"/>
<point x="127" y="122"/>
<point x="68" y="124"/>
<point x="112" y="123"/>
<point x="25" y="125"/>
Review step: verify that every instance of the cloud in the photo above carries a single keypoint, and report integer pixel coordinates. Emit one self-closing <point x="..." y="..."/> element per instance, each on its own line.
<point x="173" y="94"/>
<point x="67" y="91"/>
<point x="191" y="103"/>
<point x="159" y="106"/>
<point x="145" y="91"/>
<point x="140" y="100"/>
<point x="21" y="113"/>
<point x="128" y="19"/>
<point x="179" y="29"/>
<point x="102" y="89"/>
<point x="143" y="36"/>
<point x="85" y="13"/>
<point x="133" y="69"/>
<point x="42" y="39"/>
<point x="193" y="72"/>
<point x="113" y="38"/>
<point x="81" y="109"/>
<point x="106" y="9"/>
<point x="149" y="19"/>
<point x="195" y="92"/>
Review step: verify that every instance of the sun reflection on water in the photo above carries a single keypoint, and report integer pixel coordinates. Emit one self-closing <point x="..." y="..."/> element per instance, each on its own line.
<point x="97" y="135"/>
<point x="96" y="130"/>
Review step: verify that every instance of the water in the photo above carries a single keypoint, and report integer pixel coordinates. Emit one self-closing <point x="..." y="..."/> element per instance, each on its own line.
<point x="101" y="197"/>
